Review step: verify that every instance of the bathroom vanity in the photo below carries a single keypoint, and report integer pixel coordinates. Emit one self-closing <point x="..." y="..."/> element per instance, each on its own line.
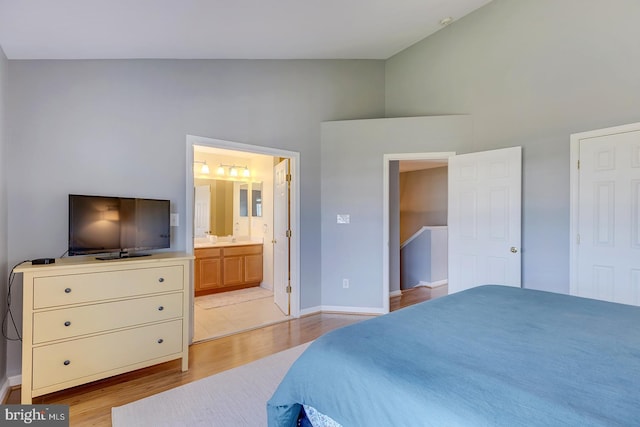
<point x="227" y="266"/>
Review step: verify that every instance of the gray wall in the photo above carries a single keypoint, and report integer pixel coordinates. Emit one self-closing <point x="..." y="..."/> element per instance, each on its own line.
<point x="530" y="72"/>
<point x="352" y="183"/>
<point x="3" y="204"/>
<point x="119" y="127"/>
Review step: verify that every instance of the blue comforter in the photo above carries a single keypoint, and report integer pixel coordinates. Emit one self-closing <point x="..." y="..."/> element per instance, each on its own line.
<point x="488" y="356"/>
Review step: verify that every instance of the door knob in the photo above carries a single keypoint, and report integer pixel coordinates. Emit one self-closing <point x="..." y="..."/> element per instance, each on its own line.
<point x="514" y="250"/>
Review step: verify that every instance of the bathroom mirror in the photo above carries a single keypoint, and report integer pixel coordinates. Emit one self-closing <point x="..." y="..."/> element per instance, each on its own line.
<point x="244" y="200"/>
<point x="230" y="204"/>
<point x="256" y="199"/>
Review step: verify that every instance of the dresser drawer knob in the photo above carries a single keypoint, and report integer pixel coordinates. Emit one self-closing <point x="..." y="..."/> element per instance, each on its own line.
<point x="67" y="323"/>
<point x="67" y="291"/>
<point x="161" y="279"/>
<point x="161" y="308"/>
<point x="160" y="340"/>
<point x="67" y="362"/>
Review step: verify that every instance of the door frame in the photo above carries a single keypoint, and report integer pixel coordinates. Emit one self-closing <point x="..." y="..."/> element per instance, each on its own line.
<point x="386" y="158"/>
<point x="574" y="185"/>
<point x="294" y="157"/>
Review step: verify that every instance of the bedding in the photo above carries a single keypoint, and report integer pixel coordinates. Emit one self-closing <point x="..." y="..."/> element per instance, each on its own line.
<point x="487" y="356"/>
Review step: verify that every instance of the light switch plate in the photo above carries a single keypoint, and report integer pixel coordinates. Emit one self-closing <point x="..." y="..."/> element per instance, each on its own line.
<point x="174" y="220"/>
<point x="344" y="218"/>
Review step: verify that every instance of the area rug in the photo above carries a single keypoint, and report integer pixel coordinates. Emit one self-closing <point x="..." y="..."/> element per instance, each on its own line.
<point x="234" y="398"/>
<point x="233" y="297"/>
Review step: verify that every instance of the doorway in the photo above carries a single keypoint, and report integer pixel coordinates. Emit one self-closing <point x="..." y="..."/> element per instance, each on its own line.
<point x="484" y="218"/>
<point x="394" y="233"/>
<point x="238" y="291"/>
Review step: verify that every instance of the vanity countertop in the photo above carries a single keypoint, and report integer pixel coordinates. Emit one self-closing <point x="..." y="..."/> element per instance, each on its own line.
<point x="225" y="244"/>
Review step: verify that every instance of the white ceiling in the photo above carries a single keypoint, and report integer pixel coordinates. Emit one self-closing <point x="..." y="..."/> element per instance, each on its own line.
<point x="241" y="29"/>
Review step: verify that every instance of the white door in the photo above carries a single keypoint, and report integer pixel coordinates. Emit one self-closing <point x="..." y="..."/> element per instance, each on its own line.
<point x="201" y="210"/>
<point x="484" y="218"/>
<point x="281" y="237"/>
<point x="608" y="252"/>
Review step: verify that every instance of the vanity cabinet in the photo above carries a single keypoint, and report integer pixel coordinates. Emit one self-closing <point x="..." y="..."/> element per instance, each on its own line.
<point x="227" y="268"/>
<point x="85" y="320"/>
<point x="208" y="272"/>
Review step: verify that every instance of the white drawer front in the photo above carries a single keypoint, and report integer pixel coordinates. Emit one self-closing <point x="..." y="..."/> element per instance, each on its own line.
<point x="72" y="322"/>
<point x="71" y="360"/>
<point x="53" y="291"/>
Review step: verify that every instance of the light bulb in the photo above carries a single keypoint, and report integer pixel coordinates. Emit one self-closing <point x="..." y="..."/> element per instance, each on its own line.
<point x="220" y="170"/>
<point x="246" y="173"/>
<point x="205" y="169"/>
<point x="233" y="171"/>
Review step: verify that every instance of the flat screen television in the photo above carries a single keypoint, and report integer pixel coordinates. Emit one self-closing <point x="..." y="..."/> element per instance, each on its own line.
<point x="118" y="226"/>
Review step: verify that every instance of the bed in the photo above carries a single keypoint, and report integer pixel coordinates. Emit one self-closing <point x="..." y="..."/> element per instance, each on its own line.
<point x="487" y="356"/>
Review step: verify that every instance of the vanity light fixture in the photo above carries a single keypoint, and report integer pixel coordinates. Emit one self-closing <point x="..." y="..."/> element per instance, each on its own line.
<point x="234" y="170"/>
<point x="205" y="167"/>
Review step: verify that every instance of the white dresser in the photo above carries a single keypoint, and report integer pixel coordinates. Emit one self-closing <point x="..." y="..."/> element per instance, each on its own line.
<point x="84" y="319"/>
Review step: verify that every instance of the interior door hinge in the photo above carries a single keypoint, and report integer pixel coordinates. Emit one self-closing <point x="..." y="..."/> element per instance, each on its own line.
<point x="288" y="177"/>
<point x="288" y="289"/>
<point x="578" y="164"/>
<point x="288" y="233"/>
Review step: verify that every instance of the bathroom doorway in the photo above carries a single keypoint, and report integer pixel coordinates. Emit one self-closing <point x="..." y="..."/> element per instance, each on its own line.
<point x="231" y="226"/>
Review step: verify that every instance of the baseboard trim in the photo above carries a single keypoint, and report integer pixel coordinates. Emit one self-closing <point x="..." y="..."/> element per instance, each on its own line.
<point x="310" y="311"/>
<point x="351" y="310"/>
<point x="8" y="384"/>
<point x="4" y="391"/>
<point x="340" y="310"/>
<point x="397" y="293"/>
<point x="432" y="285"/>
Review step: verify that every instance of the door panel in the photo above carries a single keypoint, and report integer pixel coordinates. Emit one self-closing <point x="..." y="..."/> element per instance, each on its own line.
<point x="281" y="244"/>
<point x="608" y="254"/>
<point x="201" y="210"/>
<point x="485" y="219"/>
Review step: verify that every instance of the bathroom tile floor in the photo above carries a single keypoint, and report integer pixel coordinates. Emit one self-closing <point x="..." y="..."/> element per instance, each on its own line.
<point x="230" y="319"/>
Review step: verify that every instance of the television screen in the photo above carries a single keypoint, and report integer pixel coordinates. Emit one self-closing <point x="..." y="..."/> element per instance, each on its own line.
<point x="99" y="224"/>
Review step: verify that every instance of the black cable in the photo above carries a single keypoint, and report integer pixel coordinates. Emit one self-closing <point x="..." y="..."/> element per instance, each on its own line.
<point x="9" y="315"/>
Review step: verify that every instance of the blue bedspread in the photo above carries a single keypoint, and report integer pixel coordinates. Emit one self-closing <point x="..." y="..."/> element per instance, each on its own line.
<point x="488" y="356"/>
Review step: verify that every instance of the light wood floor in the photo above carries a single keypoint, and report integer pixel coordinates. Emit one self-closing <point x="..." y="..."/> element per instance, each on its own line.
<point x="90" y="404"/>
<point x="234" y="318"/>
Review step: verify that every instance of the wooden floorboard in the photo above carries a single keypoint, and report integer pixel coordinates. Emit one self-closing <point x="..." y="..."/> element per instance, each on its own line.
<point x="90" y="404"/>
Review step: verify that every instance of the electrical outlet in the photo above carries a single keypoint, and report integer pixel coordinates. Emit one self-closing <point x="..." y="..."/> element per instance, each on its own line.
<point x="345" y="283"/>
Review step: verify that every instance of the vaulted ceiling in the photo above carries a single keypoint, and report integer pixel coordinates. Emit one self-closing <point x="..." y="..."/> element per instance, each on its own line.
<point x="225" y="29"/>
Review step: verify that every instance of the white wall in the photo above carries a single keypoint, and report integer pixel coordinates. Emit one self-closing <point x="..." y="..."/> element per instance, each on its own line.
<point x="3" y="204"/>
<point x="352" y="183"/>
<point x="530" y="73"/>
<point x="119" y="127"/>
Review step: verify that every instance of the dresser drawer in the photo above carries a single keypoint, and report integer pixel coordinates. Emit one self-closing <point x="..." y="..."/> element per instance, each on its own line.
<point x="73" y="360"/>
<point x="75" y="321"/>
<point x="53" y="291"/>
